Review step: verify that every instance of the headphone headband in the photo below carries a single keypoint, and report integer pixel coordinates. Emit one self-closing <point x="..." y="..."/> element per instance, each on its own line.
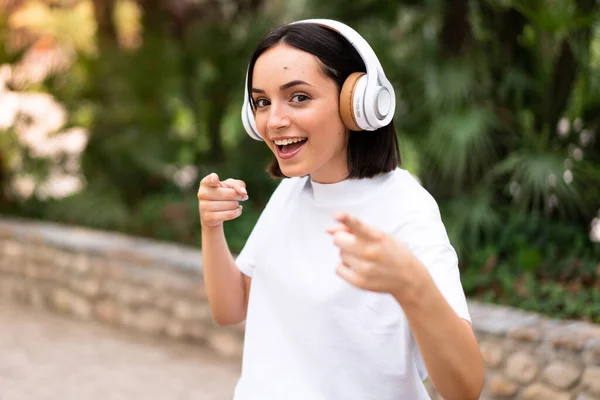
<point x="374" y="68"/>
<point x="370" y="108"/>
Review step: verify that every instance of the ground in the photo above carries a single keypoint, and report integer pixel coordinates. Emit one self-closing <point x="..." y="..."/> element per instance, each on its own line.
<point x="47" y="356"/>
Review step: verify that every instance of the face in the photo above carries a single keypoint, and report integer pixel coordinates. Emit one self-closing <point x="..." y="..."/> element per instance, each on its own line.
<point x="297" y="114"/>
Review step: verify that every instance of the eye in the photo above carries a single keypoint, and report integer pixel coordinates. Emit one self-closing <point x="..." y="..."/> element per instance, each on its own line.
<point x="300" y="98"/>
<point x="259" y="103"/>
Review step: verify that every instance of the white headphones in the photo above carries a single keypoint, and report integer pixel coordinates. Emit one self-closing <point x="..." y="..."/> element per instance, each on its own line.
<point x="367" y="101"/>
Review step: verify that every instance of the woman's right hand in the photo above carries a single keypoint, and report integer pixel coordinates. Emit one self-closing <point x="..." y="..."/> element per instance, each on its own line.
<point x="219" y="201"/>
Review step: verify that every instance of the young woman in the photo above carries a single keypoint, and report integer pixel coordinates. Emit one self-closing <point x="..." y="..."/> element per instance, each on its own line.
<point x="348" y="284"/>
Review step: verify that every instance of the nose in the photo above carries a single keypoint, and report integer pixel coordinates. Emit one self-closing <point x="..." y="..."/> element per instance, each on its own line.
<point x="278" y="118"/>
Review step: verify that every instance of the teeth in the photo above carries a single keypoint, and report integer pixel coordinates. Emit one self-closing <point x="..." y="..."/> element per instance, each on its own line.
<point x="283" y="142"/>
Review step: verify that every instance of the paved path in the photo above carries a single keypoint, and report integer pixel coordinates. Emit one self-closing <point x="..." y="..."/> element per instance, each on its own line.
<point x="44" y="356"/>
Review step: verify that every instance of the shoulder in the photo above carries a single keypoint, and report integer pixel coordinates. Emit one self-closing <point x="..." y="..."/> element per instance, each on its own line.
<point x="409" y="195"/>
<point x="416" y="214"/>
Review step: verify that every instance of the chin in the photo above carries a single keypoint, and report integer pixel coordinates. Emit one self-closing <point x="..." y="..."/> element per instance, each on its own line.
<point x="293" y="171"/>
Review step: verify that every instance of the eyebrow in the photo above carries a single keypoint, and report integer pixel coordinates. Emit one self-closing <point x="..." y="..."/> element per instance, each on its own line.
<point x="284" y="86"/>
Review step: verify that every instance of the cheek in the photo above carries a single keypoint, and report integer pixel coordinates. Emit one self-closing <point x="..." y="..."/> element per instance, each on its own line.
<point x="329" y="135"/>
<point x="260" y="122"/>
<point x="261" y="125"/>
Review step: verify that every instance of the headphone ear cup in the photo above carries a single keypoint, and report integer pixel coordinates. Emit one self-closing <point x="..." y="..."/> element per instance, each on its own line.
<point x="249" y="123"/>
<point x="347" y="101"/>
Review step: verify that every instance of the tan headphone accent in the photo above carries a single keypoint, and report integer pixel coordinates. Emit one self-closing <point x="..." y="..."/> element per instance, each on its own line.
<point x="346" y="96"/>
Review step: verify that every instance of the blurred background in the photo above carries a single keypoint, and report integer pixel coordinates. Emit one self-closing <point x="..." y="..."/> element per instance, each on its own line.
<point x="111" y="111"/>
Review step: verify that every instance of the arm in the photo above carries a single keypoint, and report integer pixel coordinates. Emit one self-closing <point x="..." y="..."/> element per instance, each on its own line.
<point x="446" y="341"/>
<point x="226" y="286"/>
<point x="374" y="260"/>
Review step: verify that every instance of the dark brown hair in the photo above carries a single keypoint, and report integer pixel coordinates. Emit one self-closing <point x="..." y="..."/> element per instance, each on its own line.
<point x="369" y="153"/>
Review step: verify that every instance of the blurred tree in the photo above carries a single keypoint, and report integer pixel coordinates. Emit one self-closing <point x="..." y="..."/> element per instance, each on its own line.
<point x="498" y="111"/>
<point x="104" y="12"/>
<point x="495" y="96"/>
<point x="156" y="105"/>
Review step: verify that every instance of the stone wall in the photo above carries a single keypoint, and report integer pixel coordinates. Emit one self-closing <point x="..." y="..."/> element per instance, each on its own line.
<point x="531" y="357"/>
<point x="143" y="285"/>
<point x="156" y="288"/>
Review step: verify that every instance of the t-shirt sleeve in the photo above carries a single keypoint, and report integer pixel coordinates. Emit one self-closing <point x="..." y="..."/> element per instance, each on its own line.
<point x="246" y="260"/>
<point x="425" y="235"/>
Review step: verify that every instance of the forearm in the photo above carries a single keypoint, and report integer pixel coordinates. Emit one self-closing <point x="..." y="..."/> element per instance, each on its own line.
<point x="223" y="281"/>
<point x="446" y="341"/>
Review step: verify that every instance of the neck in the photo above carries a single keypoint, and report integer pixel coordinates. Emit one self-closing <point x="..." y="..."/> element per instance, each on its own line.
<point x="330" y="176"/>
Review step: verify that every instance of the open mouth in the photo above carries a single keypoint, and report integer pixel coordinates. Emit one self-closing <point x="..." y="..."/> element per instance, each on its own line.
<point x="288" y="148"/>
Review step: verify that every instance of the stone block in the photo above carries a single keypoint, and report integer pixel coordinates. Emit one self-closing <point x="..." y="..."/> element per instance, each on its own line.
<point x="175" y="329"/>
<point x="521" y="367"/>
<point x="86" y="286"/>
<point x="66" y="301"/>
<point x="591" y="353"/>
<point x="539" y="391"/>
<point x="526" y="334"/>
<point x="126" y="294"/>
<point x="80" y="263"/>
<point x="492" y="353"/>
<point x="149" y="321"/>
<point x="573" y="335"/>
<point x="500" y="386"/>
<point x="561" y="375"/>
<point x="13" y="249"/>
<point x="196" y="331"/>
<point x="591" y="380"/>
<point x="225" y="342"/>
<point x="191" y="310"/>
<point x="107" y="311"/>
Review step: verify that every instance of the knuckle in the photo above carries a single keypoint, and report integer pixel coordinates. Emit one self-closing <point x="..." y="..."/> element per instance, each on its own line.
<point x="360" y="281"/>
<point x="380" y="237"/>
<point x="233" y="196"/>
<point x="370" y="252"/>
<point x="369" y="270"/>
<point x="203" y="192"/>
<point x="205" y="213"/>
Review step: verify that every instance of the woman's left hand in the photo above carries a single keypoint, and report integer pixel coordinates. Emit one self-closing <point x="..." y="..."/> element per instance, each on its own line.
<point x="372" y="259"/>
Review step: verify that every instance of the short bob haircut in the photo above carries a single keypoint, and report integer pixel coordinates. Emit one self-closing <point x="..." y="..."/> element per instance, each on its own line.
<point x="369" y="153"/>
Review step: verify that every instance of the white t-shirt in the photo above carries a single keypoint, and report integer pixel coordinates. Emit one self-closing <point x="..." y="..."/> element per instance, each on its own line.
<point x="310" y="335"/>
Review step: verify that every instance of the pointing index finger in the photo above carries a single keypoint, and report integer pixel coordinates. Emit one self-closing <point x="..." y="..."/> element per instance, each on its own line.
<point x="356" y="226"/>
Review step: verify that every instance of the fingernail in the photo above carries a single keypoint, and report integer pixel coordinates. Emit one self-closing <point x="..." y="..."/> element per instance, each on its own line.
<point x="243" y="190"/>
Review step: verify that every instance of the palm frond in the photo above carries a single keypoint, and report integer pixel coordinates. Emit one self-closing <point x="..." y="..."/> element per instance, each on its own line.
<point x="470" y="219"/>
<point x="462" y="142"/>
<point x="536" y="181"/>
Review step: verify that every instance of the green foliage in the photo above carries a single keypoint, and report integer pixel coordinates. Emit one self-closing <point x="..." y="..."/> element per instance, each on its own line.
<point x="498" y="115"/>
<point x="502" y="115"/>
